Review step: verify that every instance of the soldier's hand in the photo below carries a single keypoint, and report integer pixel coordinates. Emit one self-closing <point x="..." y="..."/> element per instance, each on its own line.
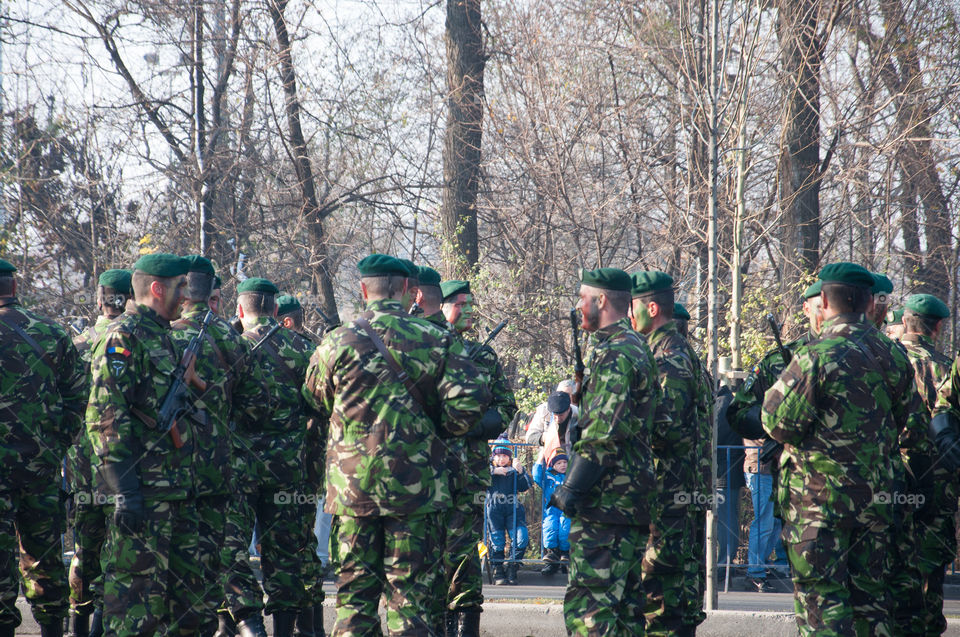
<point x="565" y="500"/>
<point x="128" y="513"/>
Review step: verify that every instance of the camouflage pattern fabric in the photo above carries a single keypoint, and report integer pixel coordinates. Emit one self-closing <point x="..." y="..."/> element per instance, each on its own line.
<point x="671" y="566"/>
<point x="78" y="467"/>
<point x="278" y="517"/>
<point x="371" y="409"/>
<point x="390" y="556"/>
<point x="153" y="581"/>
<point x="618" y="411"/>
<point x="839" y="408"/>
<point x="86" y="575"/>
<point x="918" y="583"/>
<point x="42" y="396"/>
<point x="605" y="591"/>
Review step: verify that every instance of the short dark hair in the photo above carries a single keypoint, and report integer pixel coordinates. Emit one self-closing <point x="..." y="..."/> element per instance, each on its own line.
<point x="619" y="300"/>
<point x="257" y="303"/>
<point x="140" y="282"/>
<point x="664" y="300"/>
<point x="846" y="299"/>
<point x="199" y="286"/>
<point x="431" y="294"/>
<point x="384" y="287"/>
<point x="914" y="323"/>
<point x="682" y="327"/>
<point x="6" y="285"/>
<point x="296" y="315"/>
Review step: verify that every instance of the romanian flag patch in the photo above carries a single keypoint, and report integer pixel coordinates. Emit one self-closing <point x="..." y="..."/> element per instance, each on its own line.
<point x="123" y="351"/>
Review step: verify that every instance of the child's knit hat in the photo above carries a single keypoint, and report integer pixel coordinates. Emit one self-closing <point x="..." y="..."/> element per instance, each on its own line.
<point x="500" y="445"/>
<point x="559" y="456"/>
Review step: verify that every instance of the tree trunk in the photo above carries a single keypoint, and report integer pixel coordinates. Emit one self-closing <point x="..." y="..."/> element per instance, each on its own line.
<point x="463" y="135"/>
<point x="310" y="209"/>
<point x="801" y="53"/>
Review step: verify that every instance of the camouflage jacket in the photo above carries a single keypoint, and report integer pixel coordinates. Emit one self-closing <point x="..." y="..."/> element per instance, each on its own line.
<point x="271" y="448"/>
<point x="620" y="401"/>
<point x="761" y="378"/>
<point x="677" y="448"/>
<point x="85" y="342"/>
<point x="384" y="454"/>
<point x="132" y="367"/>
<point x="839" y="407"/>
<point x="705" y="415"/>
<point x="931" y="369"/>
<point x="235" y="387"/>
<point x="42" y="392"/>
<point x="948" y="396"/>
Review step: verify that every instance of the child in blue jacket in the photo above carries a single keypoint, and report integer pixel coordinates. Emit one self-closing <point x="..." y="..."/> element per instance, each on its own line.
<point x="556" y="526"/>
<point x="505" y="513"/>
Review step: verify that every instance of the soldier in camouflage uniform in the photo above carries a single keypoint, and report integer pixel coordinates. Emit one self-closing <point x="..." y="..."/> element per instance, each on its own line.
<point x="945" y="429"/>
<point x="918" y="580"/>
<point x="270" y="490"/>
<point x="90" y="515"/>
<point x="150" y="558"/>
<point x="464" y="527"/>
<point x="610" y="487"/>
<point x="672" y="577"/>
<point x="838" y="409"/>
<point x="234" y="387"/>
<point x="385" y="481"/>
<point x="310" y="618"/>
<point x="882" y="292"/>
<point x="41" y="406"/>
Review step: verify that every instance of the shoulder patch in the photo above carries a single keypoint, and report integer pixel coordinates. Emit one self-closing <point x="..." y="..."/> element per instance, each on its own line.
<point x="122" y="351"/>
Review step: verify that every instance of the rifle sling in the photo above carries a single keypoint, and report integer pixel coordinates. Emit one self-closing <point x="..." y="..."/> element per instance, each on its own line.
<point x="29" y="340"/>
<point x="367" y="329"/>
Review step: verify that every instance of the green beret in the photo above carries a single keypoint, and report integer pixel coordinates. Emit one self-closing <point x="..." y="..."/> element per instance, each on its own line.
<point x="881" y="284"/>
<point x="895" y="317"/>
<point x="6" y="268"/>
<point x="382" y="265"/>
<point x="453" y="288"/>
<point x="287" y="303"/>
<point x="217" y="283"/>
<point x="162" y="265"/>
<point x="412" y="270"/>
<point x="119" y="280"/>
<point x="200" y="264"/>
<point x="848" y="274"/>
<point x="428" y="276"/>
<point x="606" y="279"/>
<point x="650" y="281"/>
<point x="680" y="312"/>
<point x="257" y="284"/>
<point x="813" y="290"/>
<point x="927" y="305"/>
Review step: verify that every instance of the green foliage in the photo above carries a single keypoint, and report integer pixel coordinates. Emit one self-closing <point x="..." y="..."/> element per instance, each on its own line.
<point x="538" y="377"/>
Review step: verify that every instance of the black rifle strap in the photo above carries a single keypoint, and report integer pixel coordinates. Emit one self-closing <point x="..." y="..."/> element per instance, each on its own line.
<point x="367" y="329"/>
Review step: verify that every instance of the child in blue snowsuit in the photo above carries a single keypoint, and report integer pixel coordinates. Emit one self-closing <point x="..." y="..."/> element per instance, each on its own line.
<point x="504" y="512"/>
<point x="556" y="526"/>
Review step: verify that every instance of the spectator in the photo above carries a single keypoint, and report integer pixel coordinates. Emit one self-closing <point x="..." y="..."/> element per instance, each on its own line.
<point x="765" y="528"/>
<point x="505" y="514"/>
<point x="555" y="526"/>
<point x="542" y="418"/>
<point x="730" y="479"/>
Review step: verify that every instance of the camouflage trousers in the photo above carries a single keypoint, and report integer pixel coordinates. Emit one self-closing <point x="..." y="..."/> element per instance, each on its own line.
<point x="462" y="529"/>
<point x="279" y="521"/>
<point x="32" y="511"/>
<point x="672" y="575"/>
<point x="211" y="531"/>
<point x="152" y="580"/>
<point x="936" y="547"/>
<point x="605" y="590"/>
<point x="905" y="580"/>
<point x="89" y="534"/>
<point x="839" y="580"/>
<point x="395" y="558"/>
<point x="311" y="565"/>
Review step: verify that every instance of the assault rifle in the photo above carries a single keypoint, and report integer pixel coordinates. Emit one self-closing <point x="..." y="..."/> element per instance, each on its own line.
<point x="771" y="449"/>
<point x="578" y="356"/>
<point x="174" y="404"/>
<point x="474" y="352"/>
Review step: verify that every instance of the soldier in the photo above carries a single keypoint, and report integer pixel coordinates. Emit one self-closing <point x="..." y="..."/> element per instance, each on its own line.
<point x="310" y="619"/>
<point x="233" y="388"/>
<point x="610" y="486"/>
<point x="464" y="529"/>
<point x="918" y="580"/>
<point x="882" y="292"/>
<point x="838" y="409"/>
<point x="681" y="318"/>
<point x="151" y="577"/>
<point x="671" y="566"/>
<point x="90" y="515"/>
<point x="894" y="324"/>
<point x="41" y="410"/>
<point x="216" y="296"/>
<point x="271" y="450"/>
<point x="390" y="384"/>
